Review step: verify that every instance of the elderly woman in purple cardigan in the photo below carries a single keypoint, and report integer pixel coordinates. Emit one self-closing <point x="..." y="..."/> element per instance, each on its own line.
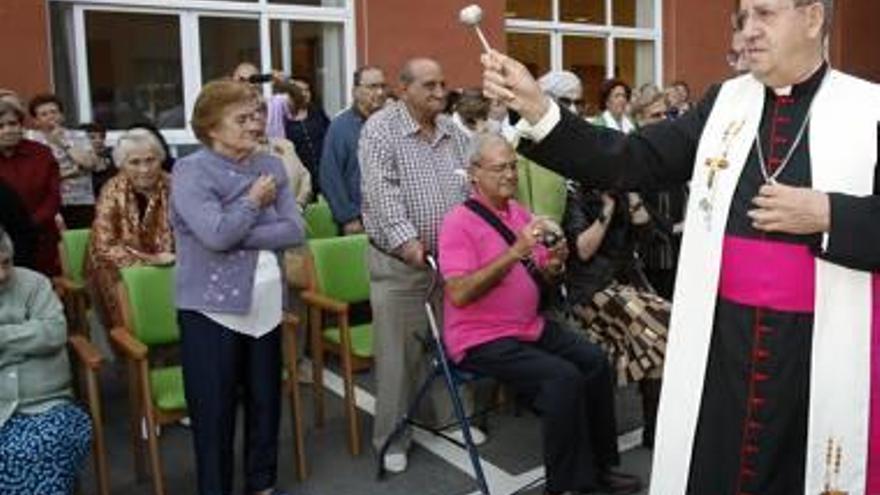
<point x="230" y="227"/>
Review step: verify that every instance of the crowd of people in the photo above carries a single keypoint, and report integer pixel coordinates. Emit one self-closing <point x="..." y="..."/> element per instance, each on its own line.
<point x="425" y="171"/>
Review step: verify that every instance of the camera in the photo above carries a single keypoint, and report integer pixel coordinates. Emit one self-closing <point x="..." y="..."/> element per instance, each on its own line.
<point x="260" y="78"/>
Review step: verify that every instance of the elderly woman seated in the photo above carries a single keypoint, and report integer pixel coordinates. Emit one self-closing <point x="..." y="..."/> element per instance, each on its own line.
<point x="131" y="221"/>
<point x="493" y="253"/>
<point x="609" y="293"/>
<point x="44" y="437"/>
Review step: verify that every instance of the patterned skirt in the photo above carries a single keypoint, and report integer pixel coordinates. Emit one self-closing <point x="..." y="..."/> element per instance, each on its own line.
<point x="43" y="453"/>
<point x="631" y="325"/>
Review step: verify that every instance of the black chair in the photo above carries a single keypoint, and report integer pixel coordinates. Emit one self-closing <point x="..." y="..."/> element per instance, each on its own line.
<point x="453" y="377"/>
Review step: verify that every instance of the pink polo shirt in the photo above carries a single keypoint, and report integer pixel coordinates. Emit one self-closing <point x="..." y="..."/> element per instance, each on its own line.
<point x="510" y="309"/>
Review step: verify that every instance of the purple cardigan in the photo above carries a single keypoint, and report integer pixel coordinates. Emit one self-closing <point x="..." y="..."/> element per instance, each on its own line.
<point x="219" y="231"/>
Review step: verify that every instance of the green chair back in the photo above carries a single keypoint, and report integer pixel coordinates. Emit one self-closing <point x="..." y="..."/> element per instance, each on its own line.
<point x="151" y="304"/>
<point x="524" y="182"/>
<point x="548" y="193"/>
<point x="341" y="267"/>
<point x="319" y="221"/>
<point x="74" y="244"/>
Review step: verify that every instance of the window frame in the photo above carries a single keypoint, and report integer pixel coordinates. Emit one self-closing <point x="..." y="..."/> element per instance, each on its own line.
<point x="189" y="13"/>
<point x="558" y="29"/>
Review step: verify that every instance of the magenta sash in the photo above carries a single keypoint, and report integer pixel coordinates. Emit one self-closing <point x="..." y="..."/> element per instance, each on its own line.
<point x="768" y="274"/>
<point x="782" y="276"/>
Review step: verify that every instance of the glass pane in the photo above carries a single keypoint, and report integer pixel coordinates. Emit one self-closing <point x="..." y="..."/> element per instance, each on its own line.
<point x="541" y="10"/>
<point x="582" y="11"/>
<point x="227" y="42"/>
<point x="318" y="3"/>
<point x="634" y="62"/>
<point x="532" y="49"/>
<point x="63" y="59"/>
<point x="312" y="51"/>
<point x="586" y="57"/>
<point x="633" y="13"/>
<point x="135" y="69"/>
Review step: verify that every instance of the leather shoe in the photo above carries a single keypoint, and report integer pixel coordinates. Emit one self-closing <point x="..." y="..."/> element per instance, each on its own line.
<point x="614" y="483"/>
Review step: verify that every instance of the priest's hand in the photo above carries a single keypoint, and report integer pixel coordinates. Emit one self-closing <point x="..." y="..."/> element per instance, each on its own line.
<point x="791" y="210"/>
<point x="509" y="81"/>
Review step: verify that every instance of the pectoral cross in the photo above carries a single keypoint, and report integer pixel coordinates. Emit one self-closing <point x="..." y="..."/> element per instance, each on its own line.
<point x="715" y="165"/>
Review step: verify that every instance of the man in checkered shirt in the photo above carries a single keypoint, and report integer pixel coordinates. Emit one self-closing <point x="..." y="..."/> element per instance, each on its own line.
<point x="412" y="167"/>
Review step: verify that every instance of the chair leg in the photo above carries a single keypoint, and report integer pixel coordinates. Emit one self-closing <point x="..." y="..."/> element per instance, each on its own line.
<point x="315" y="321"/>
<point x="152" y="438"/>
<point x="354" y="437"/>
<point x="99" y="447"/>
<point x="134" y="425"/>
<point x="295" y="406"/>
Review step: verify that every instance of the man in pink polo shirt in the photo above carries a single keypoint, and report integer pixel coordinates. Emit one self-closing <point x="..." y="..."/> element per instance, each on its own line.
<point x="493" y="325"/>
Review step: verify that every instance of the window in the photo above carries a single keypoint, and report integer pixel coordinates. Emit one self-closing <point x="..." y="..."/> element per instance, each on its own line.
<point x="227" y="42"/>
<point x="532" y="49"/>
<point x="312" y="51"/>
<point x="595" y="39"/>
<point x="120" y="61"/>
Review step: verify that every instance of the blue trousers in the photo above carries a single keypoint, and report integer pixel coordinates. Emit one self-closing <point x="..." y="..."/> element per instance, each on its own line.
<point x="43" y="453"/>
<point x="222" y="368"/>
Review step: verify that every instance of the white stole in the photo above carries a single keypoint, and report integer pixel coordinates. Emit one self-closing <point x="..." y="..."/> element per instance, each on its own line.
<point x="843" y="149"/>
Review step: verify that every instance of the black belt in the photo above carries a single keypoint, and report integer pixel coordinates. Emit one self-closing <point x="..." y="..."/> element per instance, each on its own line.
<point x="384" y="251"/>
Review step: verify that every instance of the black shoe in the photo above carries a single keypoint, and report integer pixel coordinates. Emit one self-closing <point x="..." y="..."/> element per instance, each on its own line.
<point x="614" y="483"/>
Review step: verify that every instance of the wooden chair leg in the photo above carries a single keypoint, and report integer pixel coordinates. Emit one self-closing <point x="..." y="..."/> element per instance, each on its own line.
<point x="295" y="403"/>
<point x="354" y="440"/>
<point x="315" y="322"/>
<point x="99" y="451"/>
<point x="134" y="425"/>
<point x="152" y="439"/>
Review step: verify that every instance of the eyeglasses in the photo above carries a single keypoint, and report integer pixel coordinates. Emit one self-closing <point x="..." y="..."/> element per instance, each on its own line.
<point x="568" y="102"/>
<point x="762" y="15"/>
<point x="500" y="168"/>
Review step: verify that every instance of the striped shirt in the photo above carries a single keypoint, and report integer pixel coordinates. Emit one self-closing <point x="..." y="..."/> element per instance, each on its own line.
<point x="409" y="181"/>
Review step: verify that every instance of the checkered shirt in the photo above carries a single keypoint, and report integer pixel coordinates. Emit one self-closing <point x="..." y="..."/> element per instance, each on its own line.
<point x="409" y="182"/>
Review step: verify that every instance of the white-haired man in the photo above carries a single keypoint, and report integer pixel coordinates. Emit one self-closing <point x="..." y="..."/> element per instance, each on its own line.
<point x="770" y="379"/>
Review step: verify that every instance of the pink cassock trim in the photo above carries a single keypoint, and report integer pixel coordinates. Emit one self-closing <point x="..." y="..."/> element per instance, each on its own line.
<point x="874" y="438"/>
<point x="768" y="274"/>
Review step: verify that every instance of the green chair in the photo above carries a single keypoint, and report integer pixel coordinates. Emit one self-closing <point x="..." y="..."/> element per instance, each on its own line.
<point x="146" y="296"/>
<point x="548" y="193"/>
<point x="540" y="190"/>
<point x="71" y="284"/>
<point x="340" y="279"/>
<point x="319" y="221"/>
<point x="524" y="182"/>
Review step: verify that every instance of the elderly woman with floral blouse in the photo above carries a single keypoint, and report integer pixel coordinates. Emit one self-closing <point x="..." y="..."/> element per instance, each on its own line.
<point x="233" y="218"/>
<point x="131" y="224"/>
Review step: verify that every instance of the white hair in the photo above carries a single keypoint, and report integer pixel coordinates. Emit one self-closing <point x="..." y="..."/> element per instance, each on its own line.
<point x="478" y="144"/>
<point x="136" y="139"/>
<point x="560" y="83"/>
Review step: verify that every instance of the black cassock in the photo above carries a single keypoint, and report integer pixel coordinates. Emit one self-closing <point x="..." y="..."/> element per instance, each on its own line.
<point x="752" y="428"/>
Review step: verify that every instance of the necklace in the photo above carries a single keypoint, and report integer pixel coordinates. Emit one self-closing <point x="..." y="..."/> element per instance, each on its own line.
<point x="771" y="178"/>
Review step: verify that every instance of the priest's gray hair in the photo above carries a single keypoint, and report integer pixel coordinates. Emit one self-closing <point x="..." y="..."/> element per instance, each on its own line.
<point x="561" y="84"/>
<point x="480" y="142"/>
<point x="829" y="13"/>
<point x="6" y="246"/>
<point x="137" y="139"/>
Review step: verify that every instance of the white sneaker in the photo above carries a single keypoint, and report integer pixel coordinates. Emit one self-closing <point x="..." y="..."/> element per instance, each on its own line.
<point x="395" y="462"/>
<point x="477" y="435"/>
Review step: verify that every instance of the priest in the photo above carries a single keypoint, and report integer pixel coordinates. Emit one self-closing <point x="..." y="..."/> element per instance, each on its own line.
<point x="772" y="374"/>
